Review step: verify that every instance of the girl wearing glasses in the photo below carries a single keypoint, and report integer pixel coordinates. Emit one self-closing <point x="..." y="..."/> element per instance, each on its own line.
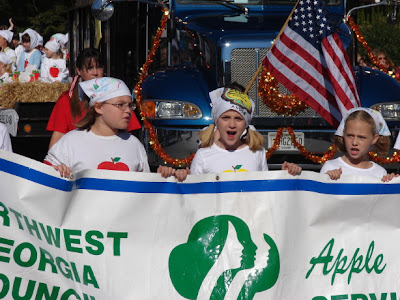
<point x="69" y="109"/>
<point x="100" y="140"/>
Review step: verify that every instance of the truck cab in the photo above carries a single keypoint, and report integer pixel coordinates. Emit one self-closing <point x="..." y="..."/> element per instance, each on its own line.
<point x="210" y="44"/>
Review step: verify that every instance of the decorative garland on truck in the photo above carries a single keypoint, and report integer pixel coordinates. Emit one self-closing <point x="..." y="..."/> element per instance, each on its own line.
<point x="289" y="106"/>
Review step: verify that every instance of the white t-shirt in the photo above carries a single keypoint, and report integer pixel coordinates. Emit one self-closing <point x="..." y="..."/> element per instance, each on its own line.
<point x="54" y="70"/>
<point x="217" y="160"/>
<point x="5" y="141"/>
<point x="374" y="171"/>
<point x="81" y="150"/>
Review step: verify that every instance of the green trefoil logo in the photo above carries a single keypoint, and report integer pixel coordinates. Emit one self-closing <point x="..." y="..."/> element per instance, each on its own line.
<point x="221" y="261"/>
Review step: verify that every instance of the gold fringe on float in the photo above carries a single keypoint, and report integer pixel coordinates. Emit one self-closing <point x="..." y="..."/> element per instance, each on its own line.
<point x="36" y="91"/>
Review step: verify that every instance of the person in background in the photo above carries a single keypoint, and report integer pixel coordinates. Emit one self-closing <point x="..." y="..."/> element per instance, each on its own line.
<point x="383" y="59"/>
<point x="30" y="55"/>
<point x="18" y="48"/>
<point x="54" y="67"/>
<point x="69" y="109"/>
<point x="5" y="69"/>
<point x="360" y="131"/>
<point x="7" y="48"/>
<point x="5" y="141"/>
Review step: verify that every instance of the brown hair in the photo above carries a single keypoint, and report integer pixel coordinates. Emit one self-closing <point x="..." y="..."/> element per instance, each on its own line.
<point x="253" y="139"/>
<point x="25" y="38"/>
<point x="86" y="58"/>
<point x="381" y="147"/>
<point x="88" y="120"/>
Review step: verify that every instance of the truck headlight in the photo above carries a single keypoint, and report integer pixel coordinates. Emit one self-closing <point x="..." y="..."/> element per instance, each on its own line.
<point x="165" y="109"/>
<point x="390" y="111"/>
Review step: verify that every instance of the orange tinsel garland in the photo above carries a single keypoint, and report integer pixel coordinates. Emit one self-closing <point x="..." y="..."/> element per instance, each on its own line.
<point x="288" y="105"/>
<point x="361" y="39"/>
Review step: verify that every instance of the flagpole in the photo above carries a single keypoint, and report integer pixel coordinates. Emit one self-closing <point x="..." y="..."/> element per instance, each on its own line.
<point x="261" y="65"/>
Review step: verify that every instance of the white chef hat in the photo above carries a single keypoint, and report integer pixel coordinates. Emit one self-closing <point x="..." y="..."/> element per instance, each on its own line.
<point x="4" y="58"/>
<point x="103" y="89"/>
<point x="34" y="36"/>
<point x="7" y="34"/>
<point x="224" y="99"/>
<point x="381" y="126"/>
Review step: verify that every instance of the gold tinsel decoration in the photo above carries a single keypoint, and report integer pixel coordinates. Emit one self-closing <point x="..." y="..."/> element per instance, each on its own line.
<point x="36" y="91"/>
<point x="268" y="90"/>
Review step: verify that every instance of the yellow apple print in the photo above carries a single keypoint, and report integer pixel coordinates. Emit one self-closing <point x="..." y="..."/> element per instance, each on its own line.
<point x="237" y="168"/>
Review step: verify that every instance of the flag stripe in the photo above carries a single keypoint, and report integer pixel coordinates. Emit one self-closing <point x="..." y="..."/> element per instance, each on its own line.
<point x="310" y="60"/>
<point x="301" y="88"/>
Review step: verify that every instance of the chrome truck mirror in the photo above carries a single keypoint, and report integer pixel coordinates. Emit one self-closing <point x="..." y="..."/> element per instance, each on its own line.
<point x="102" y="9"/>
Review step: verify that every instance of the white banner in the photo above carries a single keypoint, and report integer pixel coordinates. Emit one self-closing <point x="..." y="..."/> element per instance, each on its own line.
<point x="257" y="235"/>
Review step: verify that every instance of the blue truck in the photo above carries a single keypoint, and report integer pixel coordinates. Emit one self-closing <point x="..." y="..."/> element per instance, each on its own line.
<point x="214" y="43"/>
<point x="209" y="44"/>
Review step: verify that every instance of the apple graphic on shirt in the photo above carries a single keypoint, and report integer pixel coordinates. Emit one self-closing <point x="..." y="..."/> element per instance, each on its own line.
<point x="114" y="164"/>
<point x="54" y="72"/>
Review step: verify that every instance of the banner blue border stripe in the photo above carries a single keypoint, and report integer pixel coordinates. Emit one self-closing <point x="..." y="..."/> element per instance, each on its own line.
<point x="235" y="186"/>
<point x="35" y="176"/>
<point x="198" y="188"/>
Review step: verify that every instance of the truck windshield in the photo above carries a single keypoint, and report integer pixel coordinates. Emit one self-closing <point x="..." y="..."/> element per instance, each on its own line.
<point x="257" y="2"/>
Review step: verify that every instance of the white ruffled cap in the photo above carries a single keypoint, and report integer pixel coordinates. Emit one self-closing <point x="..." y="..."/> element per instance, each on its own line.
<point x="34" y="37"/>
<point x="7" y="34"/>
<point x="62" y="39"/>
<point x="4" y="58"/>
<point x="52" y="45"/>
<point x="103" y="89"/>
<point x="224" y="99"/>
<point x="381" y="126"/>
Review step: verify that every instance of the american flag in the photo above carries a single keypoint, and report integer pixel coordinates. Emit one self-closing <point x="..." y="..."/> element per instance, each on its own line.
<point x="309" y="59"/>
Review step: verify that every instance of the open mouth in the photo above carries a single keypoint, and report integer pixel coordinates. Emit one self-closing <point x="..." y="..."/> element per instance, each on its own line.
<point x="231" y="134"/>
<point x="354" y="151"/>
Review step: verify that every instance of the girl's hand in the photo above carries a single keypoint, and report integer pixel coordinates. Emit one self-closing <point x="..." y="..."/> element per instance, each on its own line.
<point x="64" y="170"/>
<point x="179" y="174"/>
<point x="389" y="177"/>
<point x="166" y="171"/>
<point x="292" y="168"/>
<point x="335" y="174"/>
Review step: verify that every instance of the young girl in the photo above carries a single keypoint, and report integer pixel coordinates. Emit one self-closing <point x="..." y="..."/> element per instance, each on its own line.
<point x="54" y="67"/>
<point x="7" y="47"/>
<point x="360" y="131"/>
<point x="237" y="147"/>
<point x="69" y="109"/>
<point x="5" y="69"/>
<point x="100" y="141"/>
<point x="30" y="55"/>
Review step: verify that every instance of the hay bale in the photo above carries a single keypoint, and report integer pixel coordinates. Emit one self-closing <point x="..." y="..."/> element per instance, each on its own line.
<point x="36" y="91"/>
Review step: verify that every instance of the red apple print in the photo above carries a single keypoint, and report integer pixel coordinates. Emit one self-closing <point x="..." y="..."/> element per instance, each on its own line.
<point x="114" y="164"/>
<point x="26" y="63"/>
<point x="54" y="72"/>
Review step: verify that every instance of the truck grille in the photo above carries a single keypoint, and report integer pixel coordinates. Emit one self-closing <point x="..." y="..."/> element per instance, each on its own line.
<point x="244" y="63"/>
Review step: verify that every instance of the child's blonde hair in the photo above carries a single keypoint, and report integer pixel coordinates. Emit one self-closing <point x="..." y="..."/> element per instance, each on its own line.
<point x="253" y="139"/>
<point x="381" y="147"/>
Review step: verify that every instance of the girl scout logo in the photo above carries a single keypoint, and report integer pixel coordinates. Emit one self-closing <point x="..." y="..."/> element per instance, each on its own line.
<point x="221" y="261"/>
<point x="238" y="98"/>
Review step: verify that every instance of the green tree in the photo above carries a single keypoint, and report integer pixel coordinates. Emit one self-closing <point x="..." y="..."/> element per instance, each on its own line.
<point x="45" y="16"/>
<point x="379" y="32"/>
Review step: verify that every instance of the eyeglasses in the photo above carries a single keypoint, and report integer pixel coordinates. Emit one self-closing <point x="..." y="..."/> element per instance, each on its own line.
<point x="123" y="106"/>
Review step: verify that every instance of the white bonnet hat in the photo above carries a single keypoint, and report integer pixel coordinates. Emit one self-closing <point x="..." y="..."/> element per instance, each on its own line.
<point x="224" y="99"/>
<point x="4" y="58"/>
<point x="7" y="34"/>
<point x="381" y="126"/>
<point x="52" y="45"/>
<point x="34" y="36"/>
<point x="103" y="89"/>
